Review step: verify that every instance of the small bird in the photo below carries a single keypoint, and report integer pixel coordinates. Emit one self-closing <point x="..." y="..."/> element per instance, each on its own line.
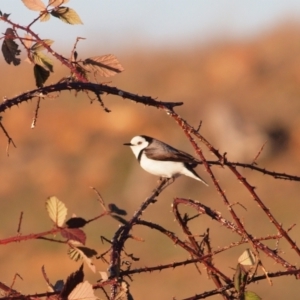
<point x="160" y="159"/>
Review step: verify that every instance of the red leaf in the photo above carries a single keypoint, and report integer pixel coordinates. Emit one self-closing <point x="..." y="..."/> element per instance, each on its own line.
<point x="74" y="234"/>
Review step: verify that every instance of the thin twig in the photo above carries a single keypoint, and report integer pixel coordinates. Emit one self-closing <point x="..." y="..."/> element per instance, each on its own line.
<point x="258" y="154"/>
<point x="20" y="222"/>
<point x="36" y="113"/>
<point x="188" y="130"/>
<point x="14" y="280"/>
<point x="46" y="278"/>
<point x="99" y="197"/>
<point x="73" y="57"/>
<point x="203" y="209"/>
<point x="10" y="140"/>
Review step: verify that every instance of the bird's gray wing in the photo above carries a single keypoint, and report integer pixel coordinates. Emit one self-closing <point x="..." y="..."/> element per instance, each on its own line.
<point x="164" y="152"/>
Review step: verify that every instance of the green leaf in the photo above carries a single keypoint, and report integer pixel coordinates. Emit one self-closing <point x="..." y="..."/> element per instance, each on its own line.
<point x="40" y="75"/>
<point x="36" y="5"/>
<point x="239" y="277"/>
<point x="57" y="210"/>
<point x="251" y="296"/>
<point x="67" y="15"/>
<point x="39" y="45"/>
<point x="75" y="254"/>
<point x="41" y="59"/>
<point x="10" y="48"/>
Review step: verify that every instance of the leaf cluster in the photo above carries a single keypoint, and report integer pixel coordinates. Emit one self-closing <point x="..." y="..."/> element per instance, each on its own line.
<point x="103" y="65"/>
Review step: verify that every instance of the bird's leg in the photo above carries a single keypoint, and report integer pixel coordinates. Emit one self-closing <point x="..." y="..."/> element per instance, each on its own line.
<point x="168" y="181"/>
<point x="171" y="180"/>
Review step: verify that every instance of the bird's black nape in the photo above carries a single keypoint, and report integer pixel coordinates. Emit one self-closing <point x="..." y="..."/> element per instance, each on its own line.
<point x="147" y="138"/>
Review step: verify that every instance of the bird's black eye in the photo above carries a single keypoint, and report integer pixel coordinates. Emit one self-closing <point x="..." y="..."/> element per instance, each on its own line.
<point x="139" y="143"/>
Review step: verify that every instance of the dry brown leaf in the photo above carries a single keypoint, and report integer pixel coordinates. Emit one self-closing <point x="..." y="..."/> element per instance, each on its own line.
<point x="36" y="5"/>
<point x="83" y="290"/>
<point x="27" y="40"/>
<point x="105" y="65"/>
<point x="57" y="2"/>
<point x="74" y="234"/>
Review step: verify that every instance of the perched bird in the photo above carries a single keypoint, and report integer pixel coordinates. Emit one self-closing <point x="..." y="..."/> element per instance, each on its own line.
<point x="163" y="160"/>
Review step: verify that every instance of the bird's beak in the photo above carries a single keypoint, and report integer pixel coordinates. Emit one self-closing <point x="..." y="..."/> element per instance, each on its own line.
<point x="127" y="144"/>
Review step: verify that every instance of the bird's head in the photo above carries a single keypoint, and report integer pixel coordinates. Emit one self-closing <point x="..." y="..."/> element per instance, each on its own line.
<point x="138" y="143"/>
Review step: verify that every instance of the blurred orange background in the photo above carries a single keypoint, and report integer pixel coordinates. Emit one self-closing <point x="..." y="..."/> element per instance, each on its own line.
<point x="245" y="93"/>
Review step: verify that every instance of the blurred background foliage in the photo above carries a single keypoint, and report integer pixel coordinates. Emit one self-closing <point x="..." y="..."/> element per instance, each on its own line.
<point x="245" y="93"/>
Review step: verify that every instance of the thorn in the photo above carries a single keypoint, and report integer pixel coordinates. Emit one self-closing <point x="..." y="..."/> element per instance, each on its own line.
<point x="223" y="159"/>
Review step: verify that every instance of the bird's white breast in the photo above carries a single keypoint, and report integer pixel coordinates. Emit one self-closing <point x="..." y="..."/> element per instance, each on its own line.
<point x="161" y="168"/>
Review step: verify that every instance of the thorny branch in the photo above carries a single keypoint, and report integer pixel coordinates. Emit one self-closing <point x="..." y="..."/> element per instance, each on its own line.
<point x="189" y="130"/>
<point x="14" y="295"/>
<point x="192" y="246"/>
<point x="20" y="238"/>
<point x="102" y="88"/>
<point x="98" y="89"/>
<point x="230" y="286"/>
<point x="203" y="209"/>
<point x="122" y="234"/>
